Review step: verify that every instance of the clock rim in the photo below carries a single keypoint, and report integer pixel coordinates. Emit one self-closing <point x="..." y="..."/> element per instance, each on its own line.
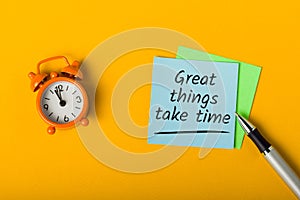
<point x="72" y="123"/>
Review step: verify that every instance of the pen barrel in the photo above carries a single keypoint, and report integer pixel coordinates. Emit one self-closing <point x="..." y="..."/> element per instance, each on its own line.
<point x="261" y="143"/>
<point x="283" y="170"/>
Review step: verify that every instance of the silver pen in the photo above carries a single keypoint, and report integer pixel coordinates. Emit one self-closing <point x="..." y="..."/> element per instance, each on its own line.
<point x="272" y="156"/>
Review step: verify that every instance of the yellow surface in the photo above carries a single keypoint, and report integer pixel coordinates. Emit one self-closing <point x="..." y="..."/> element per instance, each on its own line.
<point x="35" y="165"/>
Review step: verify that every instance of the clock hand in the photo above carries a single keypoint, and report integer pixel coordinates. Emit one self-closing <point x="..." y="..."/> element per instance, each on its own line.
<point x="61" y="101"/>
<point x="58" y="95"/>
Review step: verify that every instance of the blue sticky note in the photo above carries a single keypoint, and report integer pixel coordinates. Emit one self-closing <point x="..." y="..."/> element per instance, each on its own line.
<point x="193" y="103"/>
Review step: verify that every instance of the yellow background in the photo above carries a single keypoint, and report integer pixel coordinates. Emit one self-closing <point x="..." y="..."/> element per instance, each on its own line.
<point x="35" y="165"/>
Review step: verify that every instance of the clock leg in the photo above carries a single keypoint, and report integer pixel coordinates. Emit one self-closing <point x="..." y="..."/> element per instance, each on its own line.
<point x="84" y="122"/>
<point x="51" y="130"/>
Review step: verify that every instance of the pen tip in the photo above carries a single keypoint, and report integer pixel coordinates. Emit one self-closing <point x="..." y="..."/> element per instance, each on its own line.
<point x="245" y="124"/>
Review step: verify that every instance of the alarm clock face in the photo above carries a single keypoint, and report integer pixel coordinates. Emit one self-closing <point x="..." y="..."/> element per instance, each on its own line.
<point x="62" y="102"/>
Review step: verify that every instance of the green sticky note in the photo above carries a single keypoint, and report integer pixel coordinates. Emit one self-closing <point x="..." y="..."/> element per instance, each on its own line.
<point x="247" y="83"/>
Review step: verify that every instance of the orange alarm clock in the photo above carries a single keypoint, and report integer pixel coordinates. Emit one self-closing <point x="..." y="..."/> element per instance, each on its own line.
<point x="61" y="101"/>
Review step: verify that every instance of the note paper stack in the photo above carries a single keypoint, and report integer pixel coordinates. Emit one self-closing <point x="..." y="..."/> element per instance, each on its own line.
<point x="194" y="98"/>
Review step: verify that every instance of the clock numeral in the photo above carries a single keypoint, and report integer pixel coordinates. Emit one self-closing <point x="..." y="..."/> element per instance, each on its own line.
<point x="66" y="119"/>
<point x="78" y="99"/>
<point x="57" y="118"/>
<point x="46" y="106"/>
<point x="59" y="88"/>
